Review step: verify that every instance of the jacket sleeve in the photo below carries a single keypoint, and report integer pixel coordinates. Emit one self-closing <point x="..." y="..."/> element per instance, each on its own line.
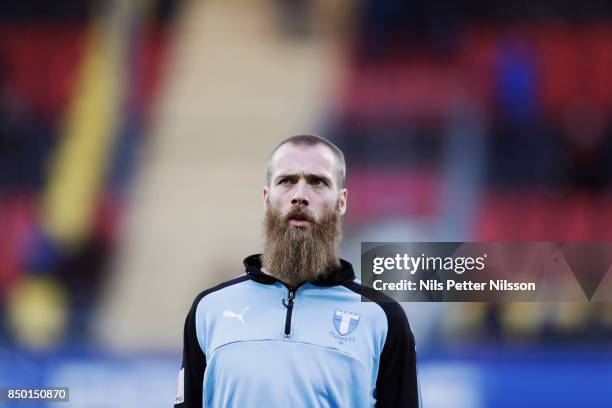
<point x="191" y="375"/>
<point x="397" y="384"/>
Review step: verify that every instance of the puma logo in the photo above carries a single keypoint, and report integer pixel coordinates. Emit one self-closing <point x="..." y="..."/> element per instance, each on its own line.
<point x="229" y="313"/>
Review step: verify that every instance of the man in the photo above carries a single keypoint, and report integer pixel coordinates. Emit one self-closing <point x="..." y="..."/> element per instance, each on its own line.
<point x="293" y="330"/>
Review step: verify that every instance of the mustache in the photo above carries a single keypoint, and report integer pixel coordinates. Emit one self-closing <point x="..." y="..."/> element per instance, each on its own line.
<point x="300" y="213"/>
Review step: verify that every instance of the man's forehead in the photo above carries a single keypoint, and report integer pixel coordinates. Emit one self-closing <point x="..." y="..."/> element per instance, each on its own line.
<point x="309" y="159"/>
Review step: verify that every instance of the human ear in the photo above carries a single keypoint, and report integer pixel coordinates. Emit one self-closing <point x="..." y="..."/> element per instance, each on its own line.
<point x="266" y="197"/>
<point x="342" y="201"/>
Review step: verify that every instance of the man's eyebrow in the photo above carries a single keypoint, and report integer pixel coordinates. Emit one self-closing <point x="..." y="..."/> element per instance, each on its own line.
<point x="318" y="176"/>
<point x="285" y="175"/>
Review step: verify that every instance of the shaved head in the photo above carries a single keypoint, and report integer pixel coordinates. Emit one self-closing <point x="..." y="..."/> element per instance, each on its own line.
<point x="311" y="140"/>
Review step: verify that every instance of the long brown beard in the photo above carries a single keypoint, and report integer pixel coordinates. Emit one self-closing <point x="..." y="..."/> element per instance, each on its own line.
<point x="296" y="255"/>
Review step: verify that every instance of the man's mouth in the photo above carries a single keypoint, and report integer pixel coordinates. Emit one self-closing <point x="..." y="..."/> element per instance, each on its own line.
<point x="299" y="220"/>
<point x="298" y="223"/>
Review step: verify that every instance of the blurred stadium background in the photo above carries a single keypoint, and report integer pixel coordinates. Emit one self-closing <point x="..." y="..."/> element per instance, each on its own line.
<point x="133" y="137"/>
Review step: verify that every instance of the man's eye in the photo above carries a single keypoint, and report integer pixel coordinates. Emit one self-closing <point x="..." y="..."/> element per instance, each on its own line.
<point x="284" y="181"/>
<point x="319" y="182"/>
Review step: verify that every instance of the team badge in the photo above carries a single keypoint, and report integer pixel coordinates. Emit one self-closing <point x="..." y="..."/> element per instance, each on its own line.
<point x="345" y="322"/>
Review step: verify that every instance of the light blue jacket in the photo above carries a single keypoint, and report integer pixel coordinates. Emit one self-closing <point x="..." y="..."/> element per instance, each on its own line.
<point x="255" y="342"/>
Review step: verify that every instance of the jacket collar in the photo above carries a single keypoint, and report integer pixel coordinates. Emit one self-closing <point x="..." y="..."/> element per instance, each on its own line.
<point x="337" y="276"/>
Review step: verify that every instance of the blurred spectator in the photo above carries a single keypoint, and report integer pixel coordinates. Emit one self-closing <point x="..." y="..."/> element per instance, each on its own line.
<point x="25" y="142"/>
<point x="586" y="136"/>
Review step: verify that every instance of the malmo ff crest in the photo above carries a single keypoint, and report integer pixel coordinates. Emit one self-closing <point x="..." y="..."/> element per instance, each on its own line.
<point x="345" y="322"/>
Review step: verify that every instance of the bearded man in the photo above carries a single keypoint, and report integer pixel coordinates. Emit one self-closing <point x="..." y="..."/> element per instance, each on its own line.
<point x="297" y="329"/>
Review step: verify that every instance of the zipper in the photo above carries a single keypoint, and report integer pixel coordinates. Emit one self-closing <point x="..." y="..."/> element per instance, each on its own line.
<point x="289" y="306"/>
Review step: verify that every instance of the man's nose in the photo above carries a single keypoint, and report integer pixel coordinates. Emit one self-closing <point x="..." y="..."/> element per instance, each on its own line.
<point x="300" y="196"/>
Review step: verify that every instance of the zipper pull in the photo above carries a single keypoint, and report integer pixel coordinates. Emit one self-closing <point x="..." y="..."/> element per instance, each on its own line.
<point x="290" y="299"/>
<point x="291" y="296"/>
<point x="289" y="306"/>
